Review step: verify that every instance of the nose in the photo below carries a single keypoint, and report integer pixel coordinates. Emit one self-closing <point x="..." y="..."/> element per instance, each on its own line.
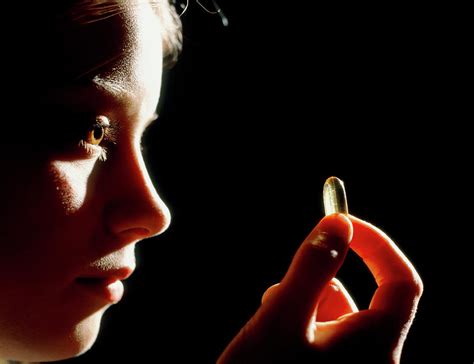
<point x="135" y="210"/>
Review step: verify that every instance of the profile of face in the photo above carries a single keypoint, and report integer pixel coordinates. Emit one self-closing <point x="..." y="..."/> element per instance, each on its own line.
<point x="72" y="215"/>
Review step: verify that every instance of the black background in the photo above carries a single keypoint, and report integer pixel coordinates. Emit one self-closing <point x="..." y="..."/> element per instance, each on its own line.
<point x="254" y="117"/>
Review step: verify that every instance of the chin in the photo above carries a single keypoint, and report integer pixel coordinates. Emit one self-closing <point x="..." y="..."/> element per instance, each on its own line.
<point x="62" y="344"/>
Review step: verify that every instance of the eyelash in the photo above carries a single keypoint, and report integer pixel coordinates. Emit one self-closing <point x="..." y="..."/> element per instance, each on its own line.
<point x="110" y="137"/>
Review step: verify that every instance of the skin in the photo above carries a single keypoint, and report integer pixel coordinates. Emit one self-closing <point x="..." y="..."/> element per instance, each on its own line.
<point x="67" y="212"/>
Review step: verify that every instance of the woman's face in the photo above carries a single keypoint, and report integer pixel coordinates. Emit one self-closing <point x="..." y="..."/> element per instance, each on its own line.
<point x="70" y="219"/>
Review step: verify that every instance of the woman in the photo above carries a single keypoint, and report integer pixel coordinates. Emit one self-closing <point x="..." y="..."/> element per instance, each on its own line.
<point x="77" y="198"/>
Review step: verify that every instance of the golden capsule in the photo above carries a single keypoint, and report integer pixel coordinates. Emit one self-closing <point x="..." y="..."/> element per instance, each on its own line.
<point x="334" y="197"/>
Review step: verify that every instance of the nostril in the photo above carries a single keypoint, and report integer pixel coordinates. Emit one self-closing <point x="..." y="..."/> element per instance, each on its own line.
<point x="135" y="233"/>
<point x="142" y="231"/>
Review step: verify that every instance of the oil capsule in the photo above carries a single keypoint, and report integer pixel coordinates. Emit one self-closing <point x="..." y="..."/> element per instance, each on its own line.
<point x="334" y="197"/>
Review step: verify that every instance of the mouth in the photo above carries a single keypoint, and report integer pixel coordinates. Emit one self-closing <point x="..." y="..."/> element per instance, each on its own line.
<point x="105" y="285"/>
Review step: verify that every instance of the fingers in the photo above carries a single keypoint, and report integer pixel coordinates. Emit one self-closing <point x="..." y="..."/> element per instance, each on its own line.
<point x="399" y="284"/>
<point x="335" y="302"/>
<point x="314" y="265"/>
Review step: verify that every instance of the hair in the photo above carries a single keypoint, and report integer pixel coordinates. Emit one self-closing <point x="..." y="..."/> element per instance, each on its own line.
<point x="172" y="32"/>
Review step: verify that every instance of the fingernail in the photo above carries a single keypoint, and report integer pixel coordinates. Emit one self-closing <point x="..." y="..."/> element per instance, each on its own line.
<point x="319" y="239"/>
<point x="334" y="197"/>
<point x="331" y="230"/>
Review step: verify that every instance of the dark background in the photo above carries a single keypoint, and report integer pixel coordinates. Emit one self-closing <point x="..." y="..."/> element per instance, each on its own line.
<point x="254" y="117"/>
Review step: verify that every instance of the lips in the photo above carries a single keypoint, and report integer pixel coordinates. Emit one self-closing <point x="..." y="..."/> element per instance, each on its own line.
<point x="104" y="284"/>
<point x="119" y="274"/>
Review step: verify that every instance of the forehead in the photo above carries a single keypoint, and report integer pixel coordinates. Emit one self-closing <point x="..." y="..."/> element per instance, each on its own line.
<point x="112" y="64"/>
<point x="115" y="51"/>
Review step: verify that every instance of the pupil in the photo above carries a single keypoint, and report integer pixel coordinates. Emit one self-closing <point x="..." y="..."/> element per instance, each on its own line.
<point x="98" y="132"/>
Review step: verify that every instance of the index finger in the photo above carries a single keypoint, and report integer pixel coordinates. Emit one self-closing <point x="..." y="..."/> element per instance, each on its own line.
<point x="399" y="285"/>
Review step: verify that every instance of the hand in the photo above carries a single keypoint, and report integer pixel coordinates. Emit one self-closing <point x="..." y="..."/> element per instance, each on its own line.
<point x="310" y="317"/>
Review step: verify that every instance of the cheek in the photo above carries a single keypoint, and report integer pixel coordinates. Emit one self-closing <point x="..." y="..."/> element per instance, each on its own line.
<point x="45" y="219"/>
<point x="47" y="231"/>
<point x="70" y="183"/>
<point x="41" y="201"/>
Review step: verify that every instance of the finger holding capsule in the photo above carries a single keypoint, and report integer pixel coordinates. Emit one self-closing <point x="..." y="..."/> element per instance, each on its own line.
<point x="314" y="265"/>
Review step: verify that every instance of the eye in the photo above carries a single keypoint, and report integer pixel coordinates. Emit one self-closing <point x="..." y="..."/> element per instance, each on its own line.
<point x="98" y="134"/>
<point x="97" y="131"/>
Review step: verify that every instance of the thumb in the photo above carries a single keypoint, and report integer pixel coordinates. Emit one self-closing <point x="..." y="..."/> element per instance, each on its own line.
<point x="315" y="263"/>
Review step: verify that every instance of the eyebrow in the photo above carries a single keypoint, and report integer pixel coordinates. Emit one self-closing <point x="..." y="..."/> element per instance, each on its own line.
<point x="110" y="87"/>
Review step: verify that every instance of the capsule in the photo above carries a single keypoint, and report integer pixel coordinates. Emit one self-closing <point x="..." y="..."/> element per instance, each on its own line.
<point x="334" y="197"/>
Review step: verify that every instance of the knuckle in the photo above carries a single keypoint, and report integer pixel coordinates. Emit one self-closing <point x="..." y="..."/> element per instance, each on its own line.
<point x="415" y="283"/>
<point x="418" y="285"/>
<point x="413" y="286"/>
